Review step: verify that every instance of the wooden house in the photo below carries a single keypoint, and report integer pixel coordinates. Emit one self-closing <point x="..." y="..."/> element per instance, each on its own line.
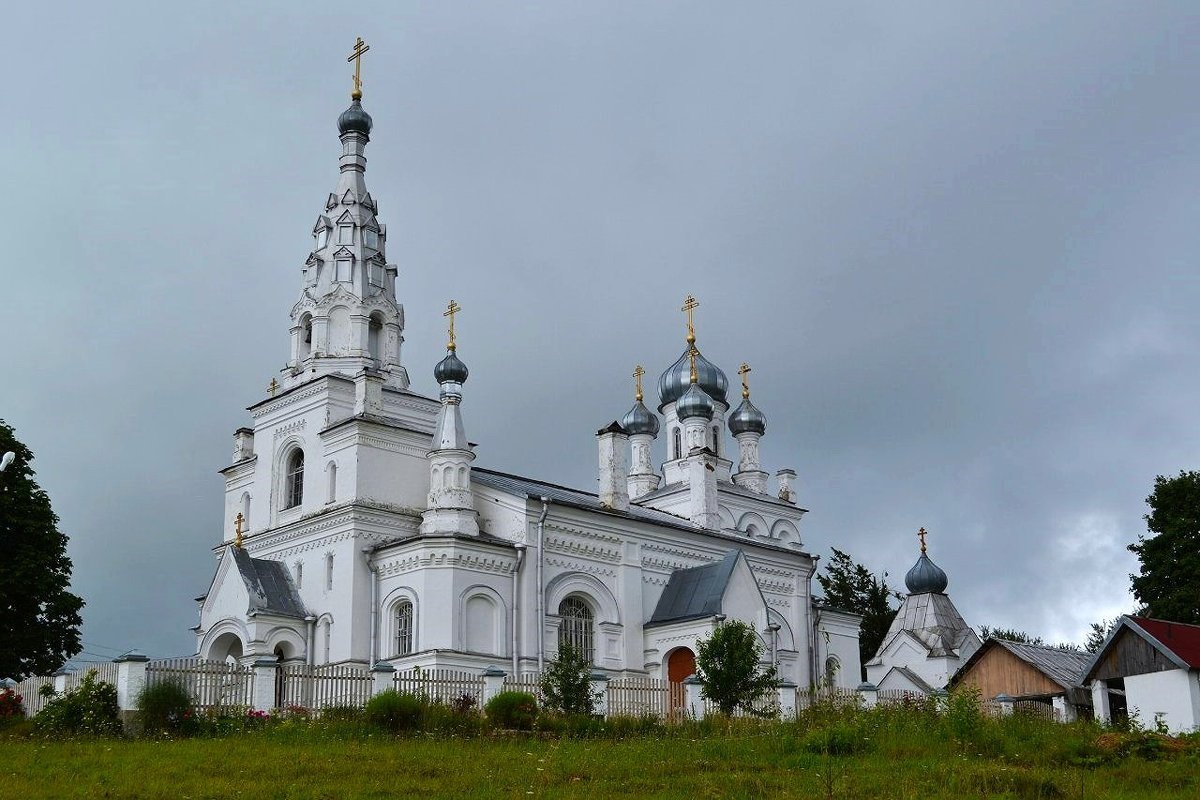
<point x="1035" y="676"/>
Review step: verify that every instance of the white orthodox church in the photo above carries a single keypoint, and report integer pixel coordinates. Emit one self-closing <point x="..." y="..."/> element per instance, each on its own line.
<point x="360" y="529"/>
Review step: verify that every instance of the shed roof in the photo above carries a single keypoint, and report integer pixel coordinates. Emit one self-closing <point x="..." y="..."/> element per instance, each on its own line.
<point x="269" y="584"/>
<point x="1064" y="667"/>
<point x="694" y="593"/>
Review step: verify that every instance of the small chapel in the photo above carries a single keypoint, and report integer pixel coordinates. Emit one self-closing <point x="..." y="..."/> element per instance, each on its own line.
<point x="359" y="529"/>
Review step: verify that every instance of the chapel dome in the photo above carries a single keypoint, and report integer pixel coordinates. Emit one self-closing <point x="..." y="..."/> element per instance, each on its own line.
<point x="450" y="369"/>
<point x="747" y="419"/>
<point x="640" y="419"/>
<point x="694" y="403"/>
<point x="674" y="382"/>
<point x="355" y="119"/>
<point x="926" y="577"/>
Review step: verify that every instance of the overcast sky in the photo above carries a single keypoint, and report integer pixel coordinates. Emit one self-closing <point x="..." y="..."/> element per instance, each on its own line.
<point x="955" y="241"/>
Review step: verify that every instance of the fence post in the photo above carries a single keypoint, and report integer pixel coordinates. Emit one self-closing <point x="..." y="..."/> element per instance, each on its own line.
<point x="1006" y="704"/>
<point x="131" y="679"/>
<point x="787" y="700"/>
<point x="60" y="681"/>
<point x="493" y="684"/>
<point x="869" y="693"/>
<point x="693" y="697"/>
<point x="264" y="684"/>
<point x="599" y="689"/>
<point x="383" y="677"/>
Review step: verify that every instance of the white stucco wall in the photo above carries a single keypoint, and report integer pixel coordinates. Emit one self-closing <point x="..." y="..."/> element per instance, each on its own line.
<point x="1174" y="694"/>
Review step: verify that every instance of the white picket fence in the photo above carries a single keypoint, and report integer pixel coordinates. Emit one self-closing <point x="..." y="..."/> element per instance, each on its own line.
<point x="212" y="684"/>
<point x="324" y="686"/>
<point x="447" y="686"/>
<point x="30" y="691"/>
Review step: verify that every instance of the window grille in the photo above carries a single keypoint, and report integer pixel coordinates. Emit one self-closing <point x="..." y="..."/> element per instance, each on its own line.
<point x="404" y="628"/>
<point x="294" y="480"/>
<point x="576" y="626"/>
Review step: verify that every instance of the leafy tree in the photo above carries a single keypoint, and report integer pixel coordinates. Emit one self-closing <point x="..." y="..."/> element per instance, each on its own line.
<point x="1009" y="635"/>
<point x="1168" y="583"/>
<point x="1099" y="634"/>
<point x="567" y="682"/>
<point x="39" y="618"/>
<point x="852" y="587"/>
<point x="727" y="663"/>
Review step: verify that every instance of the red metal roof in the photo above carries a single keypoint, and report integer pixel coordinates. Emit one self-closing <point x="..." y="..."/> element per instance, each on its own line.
<point x="1180" y="638"/>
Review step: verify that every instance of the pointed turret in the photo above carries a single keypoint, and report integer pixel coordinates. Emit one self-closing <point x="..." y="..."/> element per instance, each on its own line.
<point x="747" y="424"/>
<point x="347" y="319"/>
<point x="642" y="426"/>
<point x="451" y="502"/>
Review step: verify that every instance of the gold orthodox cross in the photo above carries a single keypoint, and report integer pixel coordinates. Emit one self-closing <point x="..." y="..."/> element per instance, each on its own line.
<point x="360" y="47"/>
<point x="273" y="387"/>
<point x="690" y="304"/>
<point x="238" y="521"/>
<point x="637" y="377"/>
<point x="744" y="370"/>
<point x="921" y="534"/>
<point x="451" y="309"/>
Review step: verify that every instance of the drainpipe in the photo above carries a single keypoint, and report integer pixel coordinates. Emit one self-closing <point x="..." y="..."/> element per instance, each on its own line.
<point x="812" y="628"/>
<point x="773" y="629"/>
<point x="516" y="608"/>
<point x="541" y="586"/>
<point x="374" y="609"/>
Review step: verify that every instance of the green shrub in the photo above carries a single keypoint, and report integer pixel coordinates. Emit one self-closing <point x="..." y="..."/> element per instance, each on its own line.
<point x="165" y="708"/>
<point x="89" y="710"/>
<point x="839" y="739"/>
<point x="513" y="710"/>
<point x="395" y="712"/>
<point x="566" y="683"/>
<point x="457" y="718"/>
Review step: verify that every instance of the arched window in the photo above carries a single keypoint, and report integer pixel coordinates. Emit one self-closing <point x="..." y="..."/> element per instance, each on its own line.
<point x="716" y="448"/>
<point x="676" y="445"/>
<point x="246" y="511"/>
<point x="293" y="483"/>
<point x="832" y="666"/>
<point x="332" y="470"/>
<point x="305" y="336"/>
<point x="576" y="627"/>
<point x="404" y="628"/>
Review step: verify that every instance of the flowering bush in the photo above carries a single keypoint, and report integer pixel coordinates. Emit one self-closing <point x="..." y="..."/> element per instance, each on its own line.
<point x="91" y="709"/>
<point x="11" y="705"/>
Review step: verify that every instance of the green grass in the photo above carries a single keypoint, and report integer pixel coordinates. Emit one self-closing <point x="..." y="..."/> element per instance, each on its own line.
<point x="879" y="755"/>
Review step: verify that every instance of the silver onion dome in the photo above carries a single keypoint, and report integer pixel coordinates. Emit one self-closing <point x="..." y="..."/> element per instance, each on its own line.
<point x="355" y="119"/>
<point x="926" y="577"/>
<point x="450" y="369"/>
<point x="694" y="403"/>
<point x="640" y="420"/>
<point x="674" y="382"/>
<point x="747" y="419"/>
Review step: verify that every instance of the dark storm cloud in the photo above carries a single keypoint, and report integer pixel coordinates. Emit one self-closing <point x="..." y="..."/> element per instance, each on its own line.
<point x="955" y="244"/>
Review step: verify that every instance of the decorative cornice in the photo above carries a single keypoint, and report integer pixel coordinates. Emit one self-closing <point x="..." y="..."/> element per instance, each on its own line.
<point x="569" y="545"/>
<point x="578" y="566"/>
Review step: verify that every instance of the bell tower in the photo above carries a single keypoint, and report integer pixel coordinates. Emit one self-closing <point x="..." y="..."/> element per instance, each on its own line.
<point x="347" y="319"/>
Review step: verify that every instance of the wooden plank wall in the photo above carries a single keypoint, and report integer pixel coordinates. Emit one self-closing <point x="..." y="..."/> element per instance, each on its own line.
<point x="1000" y="672"/>
<point x="1130" y="654"/>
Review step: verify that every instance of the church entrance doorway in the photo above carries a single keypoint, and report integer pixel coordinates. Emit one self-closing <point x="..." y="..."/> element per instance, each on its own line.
<point x="681" y="664"/>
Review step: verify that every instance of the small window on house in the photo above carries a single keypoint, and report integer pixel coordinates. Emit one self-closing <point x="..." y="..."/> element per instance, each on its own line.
<point x="345" y="234"/>
<point x="343" y="269"/>
<point x="576" y="626"/>
<point x="322" y="237"/>
<point x="371" y="238"/>
<point x="329" y="572"/>
<point x="404" y="628"/>
<point x="376" y="273"/>
<point x="299" y="574"/>
<point x="293" y="483"/>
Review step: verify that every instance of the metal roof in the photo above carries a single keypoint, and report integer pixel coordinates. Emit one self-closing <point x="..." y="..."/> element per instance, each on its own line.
<point x="694" y="593"/>
<point x="269" y="584"/>
<point x="932" y="620"/>
<point x="1064" y="667"/>
<point x="1180" y="638"/>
